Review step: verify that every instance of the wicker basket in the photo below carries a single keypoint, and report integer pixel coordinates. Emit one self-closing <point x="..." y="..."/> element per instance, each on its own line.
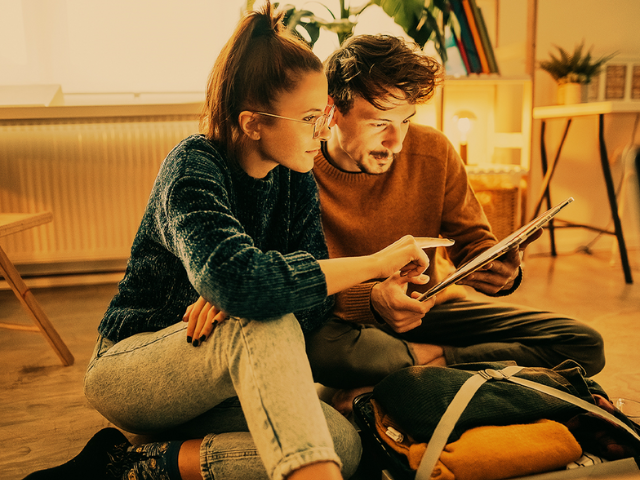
<point x="501" y="205"/>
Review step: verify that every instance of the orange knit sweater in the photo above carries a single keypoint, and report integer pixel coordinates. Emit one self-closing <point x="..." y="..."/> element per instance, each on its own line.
<point x="425" y="193"/>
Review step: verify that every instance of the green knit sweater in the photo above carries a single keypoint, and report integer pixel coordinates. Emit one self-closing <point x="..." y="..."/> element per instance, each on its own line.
<point x="248" y="246"/>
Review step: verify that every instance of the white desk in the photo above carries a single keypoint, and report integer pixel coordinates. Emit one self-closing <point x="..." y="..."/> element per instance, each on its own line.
<point x="583" y="109"/>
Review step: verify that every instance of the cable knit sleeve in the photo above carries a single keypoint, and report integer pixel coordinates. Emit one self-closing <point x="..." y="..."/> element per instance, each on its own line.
<point x="354" y="304"/>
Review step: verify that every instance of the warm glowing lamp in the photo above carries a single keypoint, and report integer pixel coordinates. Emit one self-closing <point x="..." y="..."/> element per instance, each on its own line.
<point x="462" y="121"/>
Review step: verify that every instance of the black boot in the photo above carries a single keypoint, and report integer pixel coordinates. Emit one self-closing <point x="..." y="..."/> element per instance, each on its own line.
<point x="106" y="446"/>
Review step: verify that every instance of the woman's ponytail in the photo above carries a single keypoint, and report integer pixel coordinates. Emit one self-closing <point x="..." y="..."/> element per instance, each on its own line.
<point x="260" y="60"/>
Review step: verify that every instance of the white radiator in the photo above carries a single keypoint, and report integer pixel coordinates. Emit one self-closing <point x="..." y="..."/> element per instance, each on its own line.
<point x="95" y="175"/>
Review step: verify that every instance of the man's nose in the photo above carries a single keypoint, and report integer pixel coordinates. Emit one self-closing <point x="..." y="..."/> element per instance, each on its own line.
<point x="393" y="139"/>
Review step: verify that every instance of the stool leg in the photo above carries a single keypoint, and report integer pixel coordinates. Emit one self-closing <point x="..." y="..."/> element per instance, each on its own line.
<point x="29" y="302"/>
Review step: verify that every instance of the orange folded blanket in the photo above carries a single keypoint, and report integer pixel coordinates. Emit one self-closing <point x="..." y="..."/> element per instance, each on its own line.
<point x="489" y="452"/>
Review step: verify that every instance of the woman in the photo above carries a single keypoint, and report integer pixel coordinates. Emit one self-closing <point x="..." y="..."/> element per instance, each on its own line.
<point x="233" y="217"/>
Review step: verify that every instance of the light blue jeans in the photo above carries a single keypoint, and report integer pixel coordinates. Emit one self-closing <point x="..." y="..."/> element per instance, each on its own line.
<point x="156" y="382"/>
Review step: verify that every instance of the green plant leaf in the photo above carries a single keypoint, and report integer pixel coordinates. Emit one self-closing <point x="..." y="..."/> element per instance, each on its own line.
<point x="300" y="21"/>
<point x="576" y="67"/>
<point x="419" y="22"/>
<point x="406" y="13"/>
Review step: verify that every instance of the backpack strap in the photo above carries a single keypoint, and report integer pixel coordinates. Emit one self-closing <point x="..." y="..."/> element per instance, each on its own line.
<point x="452" y="414"/>
<point x="465" y="394"/>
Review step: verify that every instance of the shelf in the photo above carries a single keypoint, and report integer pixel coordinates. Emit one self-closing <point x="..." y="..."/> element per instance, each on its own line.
<point x="581" y="109"/>
<point x="501" y="105"/>
<point x="491" y="79"/>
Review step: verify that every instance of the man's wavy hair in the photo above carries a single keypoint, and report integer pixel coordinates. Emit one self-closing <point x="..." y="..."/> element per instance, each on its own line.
<point x="375" y="67"/>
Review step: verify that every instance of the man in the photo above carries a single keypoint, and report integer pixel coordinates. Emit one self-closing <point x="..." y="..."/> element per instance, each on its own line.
<point x="381" y="177"/>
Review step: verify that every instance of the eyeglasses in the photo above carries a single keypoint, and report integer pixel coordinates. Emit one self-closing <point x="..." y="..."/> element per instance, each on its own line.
<point x="318" y="124"/>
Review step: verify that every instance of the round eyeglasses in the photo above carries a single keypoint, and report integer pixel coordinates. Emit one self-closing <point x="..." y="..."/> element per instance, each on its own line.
<point x="318" y="124"/>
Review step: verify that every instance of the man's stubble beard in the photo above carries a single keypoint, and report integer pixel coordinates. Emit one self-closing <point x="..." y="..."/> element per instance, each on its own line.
<point x="378" y="156"/>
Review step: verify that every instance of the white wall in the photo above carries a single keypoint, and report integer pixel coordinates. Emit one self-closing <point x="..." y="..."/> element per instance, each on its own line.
<point x="609" y="27"/>
<point x="90" y="46"/>
<point x="120" y="46"/>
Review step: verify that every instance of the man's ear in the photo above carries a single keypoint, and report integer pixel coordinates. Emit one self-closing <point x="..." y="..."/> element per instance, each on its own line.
<point x="333" y="120"/>
<point x="249" y="124"/>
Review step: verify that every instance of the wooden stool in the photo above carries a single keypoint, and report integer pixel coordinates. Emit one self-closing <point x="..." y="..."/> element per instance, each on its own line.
<point x="11" y="223"/>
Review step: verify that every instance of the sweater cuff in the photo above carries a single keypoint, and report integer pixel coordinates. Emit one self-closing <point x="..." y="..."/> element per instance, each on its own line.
<point x="354" y="304"/>
<point x="514" y="287"/>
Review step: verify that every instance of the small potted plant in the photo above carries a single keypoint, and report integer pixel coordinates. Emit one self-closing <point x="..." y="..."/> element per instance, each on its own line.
<point x="573" y="72"/>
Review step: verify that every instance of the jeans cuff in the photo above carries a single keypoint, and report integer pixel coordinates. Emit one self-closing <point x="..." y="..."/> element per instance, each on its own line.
<point x="306" y="457"/>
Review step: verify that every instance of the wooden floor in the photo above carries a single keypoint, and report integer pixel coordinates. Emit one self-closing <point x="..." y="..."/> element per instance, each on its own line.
<point x="45" y="419"/>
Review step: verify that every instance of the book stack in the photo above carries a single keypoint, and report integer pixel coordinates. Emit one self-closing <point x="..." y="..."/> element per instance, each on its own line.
<point x="469" y="46"/>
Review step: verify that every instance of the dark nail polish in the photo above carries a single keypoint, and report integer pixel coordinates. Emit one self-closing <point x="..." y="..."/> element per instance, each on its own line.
<point x="203" y="338"/>
<point x="189" y="339"/>
<point x="195" y="343"/>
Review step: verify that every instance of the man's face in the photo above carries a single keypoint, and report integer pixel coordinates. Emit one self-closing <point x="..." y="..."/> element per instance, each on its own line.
<point x="367" y="139"/>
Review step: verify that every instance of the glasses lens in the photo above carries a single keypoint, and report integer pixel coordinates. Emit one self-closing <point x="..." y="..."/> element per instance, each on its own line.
<point x="324" y="119"/>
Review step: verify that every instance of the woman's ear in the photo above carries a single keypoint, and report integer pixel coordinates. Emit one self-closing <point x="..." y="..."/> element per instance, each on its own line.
<point x="249" y="124"/>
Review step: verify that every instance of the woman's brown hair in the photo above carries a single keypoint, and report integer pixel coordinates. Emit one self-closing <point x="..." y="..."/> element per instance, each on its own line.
<point x="373" y="66"/>
<point x="259" y="61"/>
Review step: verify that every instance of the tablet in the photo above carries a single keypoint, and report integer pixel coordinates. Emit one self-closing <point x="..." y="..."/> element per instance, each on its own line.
<point x="516" y="238"/>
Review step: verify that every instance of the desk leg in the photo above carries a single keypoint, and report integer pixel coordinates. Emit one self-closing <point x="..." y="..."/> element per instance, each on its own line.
<point x="545" y="189"/>
<point x="548" y="174"/>
<point x="613" y="203"/>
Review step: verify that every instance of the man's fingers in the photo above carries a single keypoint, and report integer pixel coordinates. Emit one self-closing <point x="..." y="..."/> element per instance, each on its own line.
<point x="536" y="235"/>
<point x="411" y="326"/>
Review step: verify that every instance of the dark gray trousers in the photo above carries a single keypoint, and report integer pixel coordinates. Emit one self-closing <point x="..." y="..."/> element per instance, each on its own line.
<point x="347" y="355"/>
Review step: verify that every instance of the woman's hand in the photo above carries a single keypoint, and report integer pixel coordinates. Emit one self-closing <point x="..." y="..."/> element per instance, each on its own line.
<point x="407" y="255"/>
<point x="203" y="319"/>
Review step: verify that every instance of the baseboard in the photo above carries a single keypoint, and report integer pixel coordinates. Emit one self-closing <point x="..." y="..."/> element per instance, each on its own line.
<point x="70" y="280"/>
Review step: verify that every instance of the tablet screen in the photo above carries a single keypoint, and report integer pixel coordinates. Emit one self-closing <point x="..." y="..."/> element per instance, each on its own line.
<point x="516" y="238"/>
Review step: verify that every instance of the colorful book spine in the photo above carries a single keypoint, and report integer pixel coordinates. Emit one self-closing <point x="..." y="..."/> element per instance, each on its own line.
<point x="466" y="37"/>
<point x="463" y="52"/>
<point x="455" y="34"/>
<point x="484" y="37"/>
<point x="476" y="36"/>
<point x="455" y="64"/>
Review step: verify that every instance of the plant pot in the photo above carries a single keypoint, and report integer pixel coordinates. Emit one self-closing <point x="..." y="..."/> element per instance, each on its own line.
<point x="572" y="93"/>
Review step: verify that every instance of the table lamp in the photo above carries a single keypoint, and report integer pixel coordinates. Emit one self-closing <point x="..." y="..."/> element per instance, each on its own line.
<point x="462" y="120"/>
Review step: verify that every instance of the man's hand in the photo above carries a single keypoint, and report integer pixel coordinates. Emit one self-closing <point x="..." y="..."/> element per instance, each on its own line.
<point x="203" y="319"/>
<point x="402" y="313"/>
<point x="501" y="273"/>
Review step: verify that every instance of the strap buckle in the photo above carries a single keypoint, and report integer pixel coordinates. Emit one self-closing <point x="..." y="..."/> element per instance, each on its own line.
<point x="491" y="374"/>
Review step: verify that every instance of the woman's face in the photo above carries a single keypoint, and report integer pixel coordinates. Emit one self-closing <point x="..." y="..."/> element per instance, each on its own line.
<point x="286" y="142"/>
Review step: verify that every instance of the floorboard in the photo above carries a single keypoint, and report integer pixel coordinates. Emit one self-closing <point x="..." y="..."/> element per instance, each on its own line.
<point x="46" y="420"/>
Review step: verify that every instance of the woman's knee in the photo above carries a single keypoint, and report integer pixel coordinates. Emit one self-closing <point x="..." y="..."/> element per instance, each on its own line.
<point x="346" y="440"/>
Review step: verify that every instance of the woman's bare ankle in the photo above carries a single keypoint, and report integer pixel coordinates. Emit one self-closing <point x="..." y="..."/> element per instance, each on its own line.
<point x="427" y="354"/>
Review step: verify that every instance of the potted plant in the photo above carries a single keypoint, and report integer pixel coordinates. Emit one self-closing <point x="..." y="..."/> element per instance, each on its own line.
<point x="418" y="18"/>
<point x="573" y="72"/>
